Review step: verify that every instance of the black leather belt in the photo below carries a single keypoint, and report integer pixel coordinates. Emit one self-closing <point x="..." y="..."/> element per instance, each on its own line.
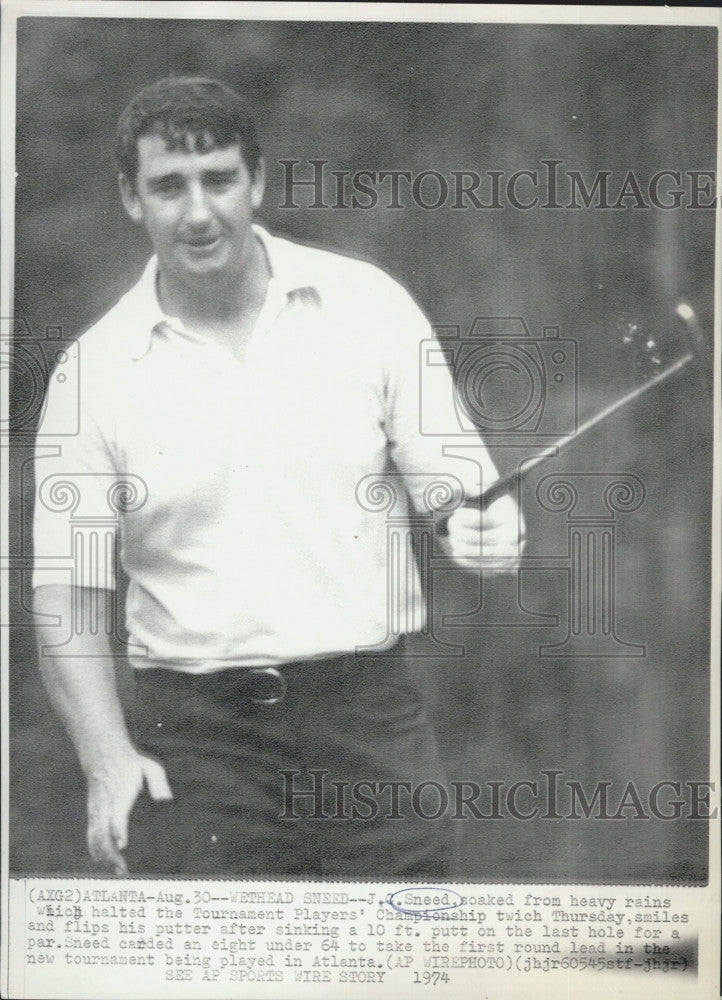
<point x="255" y="685"/>
<point x="264" y="685"/>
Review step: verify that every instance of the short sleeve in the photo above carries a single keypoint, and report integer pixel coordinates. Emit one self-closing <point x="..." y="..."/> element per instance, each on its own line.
<point x="428" y="442"/>
<point x="77" y="497"/>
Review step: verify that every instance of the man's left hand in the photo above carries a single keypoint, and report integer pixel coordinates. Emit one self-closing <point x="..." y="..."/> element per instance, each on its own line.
<point x="491" y="540"/>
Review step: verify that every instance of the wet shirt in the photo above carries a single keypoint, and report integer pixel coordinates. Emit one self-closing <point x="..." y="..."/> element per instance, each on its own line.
<point x="259" y="508"/>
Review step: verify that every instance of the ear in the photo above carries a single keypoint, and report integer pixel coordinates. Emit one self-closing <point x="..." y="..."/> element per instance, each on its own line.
<point x="258" y="185"/>
<point x="130" y="199"/>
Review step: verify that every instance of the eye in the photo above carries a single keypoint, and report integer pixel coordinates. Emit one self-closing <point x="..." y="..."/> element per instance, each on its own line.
<point x="221" y="179"/>
<point x="166" y="186"/>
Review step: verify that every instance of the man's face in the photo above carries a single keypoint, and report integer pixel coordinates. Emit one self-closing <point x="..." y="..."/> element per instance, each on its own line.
<point x="197" y="206"/>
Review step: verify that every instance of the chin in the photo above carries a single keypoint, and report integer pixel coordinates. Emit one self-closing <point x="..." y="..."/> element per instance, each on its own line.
<point x="209" y="265"/>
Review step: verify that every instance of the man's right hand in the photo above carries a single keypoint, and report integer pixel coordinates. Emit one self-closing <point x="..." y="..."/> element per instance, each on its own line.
<point x="113" y="786"/>
<point x="82" y="688"/>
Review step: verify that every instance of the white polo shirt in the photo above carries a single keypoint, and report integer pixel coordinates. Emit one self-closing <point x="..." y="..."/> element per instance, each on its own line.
<point x="250" y="527"/>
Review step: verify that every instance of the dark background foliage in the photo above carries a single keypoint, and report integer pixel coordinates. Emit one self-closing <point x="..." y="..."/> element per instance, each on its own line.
<point x="440" y="97"/>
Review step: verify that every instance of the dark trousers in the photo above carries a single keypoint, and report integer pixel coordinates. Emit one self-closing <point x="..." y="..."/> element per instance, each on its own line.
<point x="325" y="784"/>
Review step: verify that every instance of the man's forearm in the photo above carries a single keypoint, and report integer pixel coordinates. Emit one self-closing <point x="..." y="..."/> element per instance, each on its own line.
<point x="83" y="690"/>
<point x="82" y="687"/>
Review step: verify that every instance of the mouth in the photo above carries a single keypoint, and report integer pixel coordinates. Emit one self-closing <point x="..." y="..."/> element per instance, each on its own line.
<point x="202" y="244"/>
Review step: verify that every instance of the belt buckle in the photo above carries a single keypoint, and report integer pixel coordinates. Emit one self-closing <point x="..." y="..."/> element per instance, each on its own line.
<point x="280" y="680"/>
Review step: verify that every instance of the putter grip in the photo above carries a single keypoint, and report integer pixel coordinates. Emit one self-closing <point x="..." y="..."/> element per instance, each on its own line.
<point x="481" y="501"/>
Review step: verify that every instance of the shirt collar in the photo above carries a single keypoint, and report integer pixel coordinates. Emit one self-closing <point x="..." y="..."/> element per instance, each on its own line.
<point x="288" y="273"/>
<point x="288" y="262"/>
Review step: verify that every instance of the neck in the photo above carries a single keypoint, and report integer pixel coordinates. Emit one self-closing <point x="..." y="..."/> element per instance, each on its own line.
<point x="219" y="300"/>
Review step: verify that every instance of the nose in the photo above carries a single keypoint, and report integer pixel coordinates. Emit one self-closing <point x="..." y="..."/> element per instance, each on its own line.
<point x="198" y="211"/>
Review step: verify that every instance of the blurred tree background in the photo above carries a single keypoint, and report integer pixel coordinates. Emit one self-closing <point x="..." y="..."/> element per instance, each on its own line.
<point x="440" y="97"/>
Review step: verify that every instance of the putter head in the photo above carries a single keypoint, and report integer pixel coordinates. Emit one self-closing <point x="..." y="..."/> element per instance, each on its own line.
<point x="641" y="348"/>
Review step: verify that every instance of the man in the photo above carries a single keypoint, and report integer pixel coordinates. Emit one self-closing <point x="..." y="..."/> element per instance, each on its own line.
<point x="245" y="389"/>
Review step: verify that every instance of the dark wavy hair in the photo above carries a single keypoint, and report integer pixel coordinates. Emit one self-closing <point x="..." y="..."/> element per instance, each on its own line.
<point x="176" y="108"/>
